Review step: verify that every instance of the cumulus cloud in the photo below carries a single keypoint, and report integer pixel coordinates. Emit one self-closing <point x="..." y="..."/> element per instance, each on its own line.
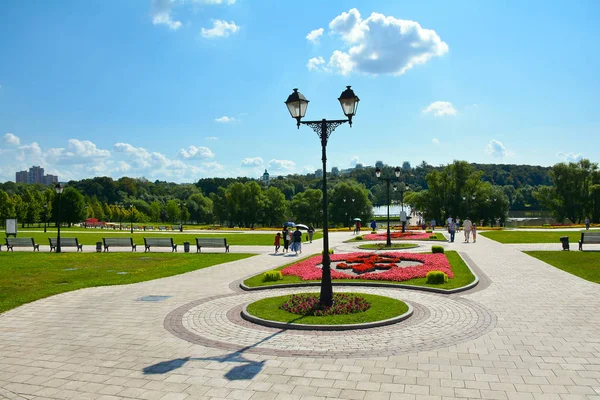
<point x="381" y="44"/>
<point x="354" y="160"/>
<point x="220" y="29"/>
<point x="440" y="109"/>
<point x="435" y="141"/>
<point x="280" y="165"/>
<point x="251" y="162"/>
<point x="213" y="166"/>
<point x="161" y="14"/>
<point x="30" y="152"/>
<point x="225" y="119"/>
<point x="315" y="63"/>
<point x="496" y="148"/>
<point x="314" y="35"/>
<point x="196" y="152"/>
<point x="11" y="139"/>
<point x="570" y="157"/>
<point x="212" y="138"/>
<point x="77" y="152"/>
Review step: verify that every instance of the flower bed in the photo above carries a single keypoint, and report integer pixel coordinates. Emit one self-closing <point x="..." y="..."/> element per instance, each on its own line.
<point x="383" y="267"/>
<point x="397" y="236"/>
<point x="308" y="304"/>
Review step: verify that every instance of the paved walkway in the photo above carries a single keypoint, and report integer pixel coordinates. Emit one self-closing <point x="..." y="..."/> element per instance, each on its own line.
<point x="529" y="331"/>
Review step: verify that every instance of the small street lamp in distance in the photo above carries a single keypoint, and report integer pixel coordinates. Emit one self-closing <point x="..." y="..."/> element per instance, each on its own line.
<point x="297" y="104"/>
<point x="131" y="216"/>
<point x="59" y="190"/>
<point x="387" y="181"/>
<point x="181" y="205"/>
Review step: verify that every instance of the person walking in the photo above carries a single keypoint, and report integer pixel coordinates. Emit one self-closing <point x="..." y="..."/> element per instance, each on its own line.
<point x="286" y="239"/>
<point x="277" y="242"/>
<point x="457" y="220"/>
<point x="474" y="232"/>
<point x="373" y="225"/>
<point x="357" y="227"/>
<point x="451" y="229"/>
<point x="311" y="232"/>
<point x="587" y="223"/>
<point x="467" y="225"/>
<point x="433" y="224"/>
<point x="297" y="241"/>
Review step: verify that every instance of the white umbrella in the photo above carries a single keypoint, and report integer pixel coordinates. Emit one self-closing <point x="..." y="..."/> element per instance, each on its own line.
<point x="301" y="226"/>
<point x="357" y="219"/>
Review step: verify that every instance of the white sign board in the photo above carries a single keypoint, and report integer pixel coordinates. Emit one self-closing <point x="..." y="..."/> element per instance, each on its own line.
<point x="11" y="226"/>
<point x="403" y="216"/>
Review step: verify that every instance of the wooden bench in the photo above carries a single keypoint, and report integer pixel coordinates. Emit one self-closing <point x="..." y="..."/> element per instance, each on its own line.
<point x="162" y="228"/>
<point x="65" y="242"/>
<point x="159" y="242"/>
<point x="175" y="228"/>
<point x="148" y="228"/>
<point x="21" y="242"/>
<point x="119" y="242"/>
<point x="589" y="237"/>
<point x="210" y="242"/>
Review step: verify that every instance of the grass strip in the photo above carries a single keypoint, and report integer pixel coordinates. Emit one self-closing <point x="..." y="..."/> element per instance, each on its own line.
<point x="27" y="277"/>
<point x="382" y="308"/>
<point x="462" y="276"/>
<point x="584" y="264"/>
<point x="515" y="237"/>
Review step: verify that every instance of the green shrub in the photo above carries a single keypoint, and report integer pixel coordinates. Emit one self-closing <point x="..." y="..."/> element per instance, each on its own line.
<point x="272" y="276"/>
<point x="436" y="277"/>
<point x="330" y="251"/>
<point x="432" y="236"/>
<point x="374" y="232"/>
<point x="437" y="249"/>
<point x="428" y="231"/>
<point x="359" y="238"/>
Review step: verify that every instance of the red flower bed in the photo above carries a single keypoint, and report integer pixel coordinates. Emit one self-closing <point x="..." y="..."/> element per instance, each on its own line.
<point x="398" y="236"/>
<point x="309" y="269"/>
<point x="308" y="304"/>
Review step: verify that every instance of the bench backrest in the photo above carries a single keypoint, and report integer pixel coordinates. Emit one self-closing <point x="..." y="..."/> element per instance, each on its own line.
<point x="175" y="227"/>
<point x="158" y="241"/>
<point x="211" y="242"/>
<point x="161" y="228"/>
<point x="118" y="241"/>
<point x="149" y="228"/>
<point x="19" y="241"/>
<point x="590" y="237"/>
<point x="63" y="241"/>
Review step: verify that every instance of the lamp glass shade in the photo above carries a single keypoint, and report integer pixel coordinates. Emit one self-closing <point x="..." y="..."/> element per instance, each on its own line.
<point x="378" y="172"/>
<point x="349" y="102"/>
<point x="59" y="188"/>
<point x="397" y="172"/>
<point x="297" y="104"/>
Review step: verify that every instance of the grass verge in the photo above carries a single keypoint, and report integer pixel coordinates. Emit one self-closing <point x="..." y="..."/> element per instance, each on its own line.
<point x="27" y="277"/>
<point x="584" y="264"/>
<point x="382" y="246"/>
<point x="462" y="276"/>
<point x="382" y="308"/>
<point x="514" y="237"/>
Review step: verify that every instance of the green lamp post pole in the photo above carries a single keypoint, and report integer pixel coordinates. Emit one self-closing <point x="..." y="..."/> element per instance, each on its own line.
<point x="297" y="105"/>
<point x="388" y="242"/>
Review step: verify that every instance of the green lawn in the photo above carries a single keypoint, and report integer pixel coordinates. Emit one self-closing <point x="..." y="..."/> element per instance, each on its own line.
<point x="90" y="237"/>
<point x="28" y="277"/>
<point x="462" y="276"/>
<point x="531" y="237"/>
<point x="584" y="264"/>
<point x="381" y="308"/>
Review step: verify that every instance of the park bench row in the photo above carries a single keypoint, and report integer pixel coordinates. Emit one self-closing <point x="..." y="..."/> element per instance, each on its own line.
<point x="137" y="227"/>
<point x="11" y="243"/>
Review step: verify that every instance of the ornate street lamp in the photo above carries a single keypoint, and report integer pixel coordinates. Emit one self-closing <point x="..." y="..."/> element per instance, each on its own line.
<point x="59" y="189"/>
<point x="402" y="187"/>
<point x="388" y="242"/>
<point x="45" y="216"/>
<point x="297" y="105"/>
<point x="131" y="216"/>
<point x="182" y="206"/>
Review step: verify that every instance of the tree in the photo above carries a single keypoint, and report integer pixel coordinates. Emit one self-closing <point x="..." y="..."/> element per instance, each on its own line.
<point x="356" y="204"/>
<point x="200" y="207"/>
<point x="307" y="207"/>
<point x="275" y="207"/>
<point x="72" y="206"/>
<point x="173" y="211"/>
<point x="7" y="208"/>
<point x="220" y="209"/>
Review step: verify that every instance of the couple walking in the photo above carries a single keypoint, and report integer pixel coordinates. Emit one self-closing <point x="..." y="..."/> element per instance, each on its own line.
<point x="468" y="229"/>
<point x="290" y="237"/>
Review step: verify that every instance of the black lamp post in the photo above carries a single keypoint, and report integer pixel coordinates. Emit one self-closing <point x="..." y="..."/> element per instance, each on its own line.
<point x="45" y="216"/>
<point x="402" y="187"/>
<point x="120" y="207"/>
<point x="388" y="242"/>
<point x="181" y="205"/>
<point x="131" y="217"/>
<point x="297" y="105"/>
<point x="59" y="189"/>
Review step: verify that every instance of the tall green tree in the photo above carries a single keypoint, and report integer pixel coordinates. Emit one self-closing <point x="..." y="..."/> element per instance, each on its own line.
<point x="306" y="207"/>
<point x="275" y="207"/>
<point x="200" y="208"/>
<point x="72" y="206"/>
<point x="7" y="207"/>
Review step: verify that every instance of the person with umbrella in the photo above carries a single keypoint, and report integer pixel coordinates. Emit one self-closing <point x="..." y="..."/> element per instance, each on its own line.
<point x="357" y="225"/>
<point x="297" y="241"/>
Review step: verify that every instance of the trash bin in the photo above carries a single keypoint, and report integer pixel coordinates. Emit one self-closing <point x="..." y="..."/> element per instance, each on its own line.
<point x="565" y="242"/>
<point x="186" y="247"/>
<point x="98" y="247"/>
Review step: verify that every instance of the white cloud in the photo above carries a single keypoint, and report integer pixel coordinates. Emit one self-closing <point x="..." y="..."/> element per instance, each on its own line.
<point x="251" y="162"/>
<point x="435" y="141"/>
<point x="314" y="36"/>
<point x="220" y="29"/>
<point x="30" y="153"/>
<point x="213" y="166"/>
<point x="440" y="109"/>
<point x="495" y="148"/>
<point x="570" y="157"/>
<point x="279" y="165"/>
<point x="161" y="14"/>
<point x="11" y="139"/>
<point x="225" y="119"/>
<point x="314" y="63"/>
<point x="354" y="160"/>
<point x="196" y="152"/>
<point x="212" y="138"/>
<point x="381" y="44"/>
<point x="77" y="152"/>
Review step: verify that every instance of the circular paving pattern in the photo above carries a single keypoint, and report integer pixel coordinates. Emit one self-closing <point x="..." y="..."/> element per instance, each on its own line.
<point x="438" y="321"/>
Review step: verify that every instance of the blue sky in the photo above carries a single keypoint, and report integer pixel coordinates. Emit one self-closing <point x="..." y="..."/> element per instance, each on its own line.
<point x="185" y="89"/>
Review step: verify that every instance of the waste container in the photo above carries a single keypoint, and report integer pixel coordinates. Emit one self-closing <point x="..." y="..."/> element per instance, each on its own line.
<point x="98" y="247"/>
<point x="565" y="242"/>
<point x="186" y="247"/>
